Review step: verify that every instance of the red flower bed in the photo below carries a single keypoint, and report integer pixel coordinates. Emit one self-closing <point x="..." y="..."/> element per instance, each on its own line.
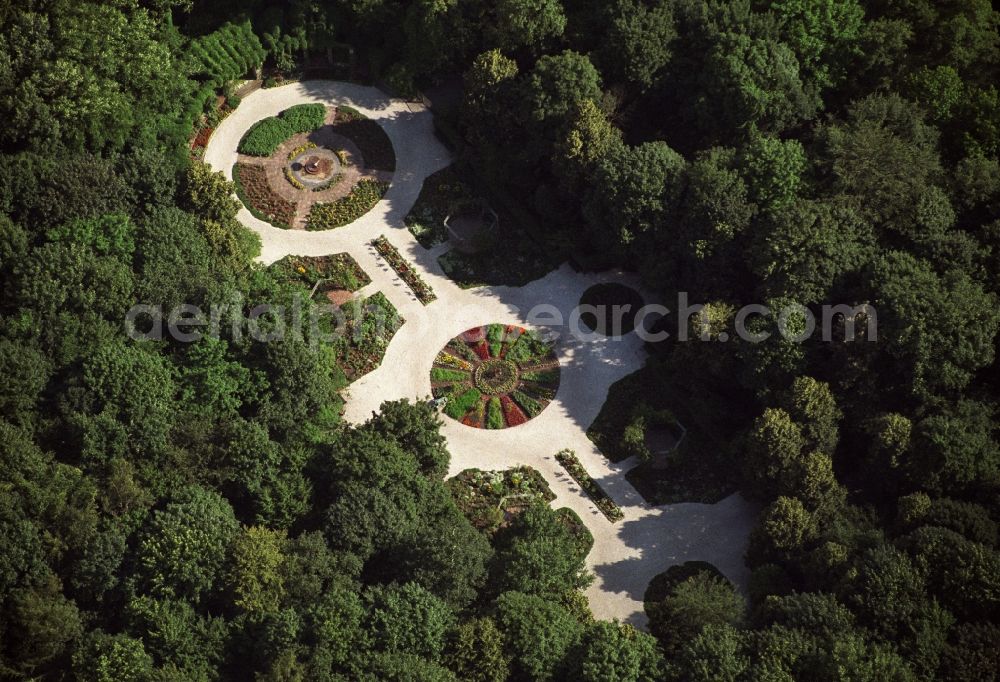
<point x="473" y="335"/>
<point x="511" y="412"/>
<point x="201" y="139"/>
<point x="256" y="193"/>
<point x="482" y="349"/>
<point x="471" y="419"/>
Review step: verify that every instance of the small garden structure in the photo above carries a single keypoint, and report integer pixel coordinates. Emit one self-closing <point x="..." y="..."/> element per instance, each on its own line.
<point x="496" y="376"/>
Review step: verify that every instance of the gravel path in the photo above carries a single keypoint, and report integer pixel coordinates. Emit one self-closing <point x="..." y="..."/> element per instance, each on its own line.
<point x="627" y="554"/>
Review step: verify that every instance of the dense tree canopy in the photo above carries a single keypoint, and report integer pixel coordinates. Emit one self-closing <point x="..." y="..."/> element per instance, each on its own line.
<point x="197" y="511"/>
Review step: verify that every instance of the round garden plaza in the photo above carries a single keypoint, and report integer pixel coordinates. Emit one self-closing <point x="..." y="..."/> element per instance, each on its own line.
<point x="627" y="554"/>
<point x="495" y="376"/>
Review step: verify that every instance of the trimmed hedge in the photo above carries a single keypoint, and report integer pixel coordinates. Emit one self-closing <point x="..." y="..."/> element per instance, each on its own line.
<point x="266" y="135"/>
<point x="228" y="54"/>
<point x="302" y="118"/>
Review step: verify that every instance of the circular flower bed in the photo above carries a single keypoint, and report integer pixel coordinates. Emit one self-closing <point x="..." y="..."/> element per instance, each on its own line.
<point x="616" y="308"/>
<point x="495" y="376"/>
<point x="313" y="167"/>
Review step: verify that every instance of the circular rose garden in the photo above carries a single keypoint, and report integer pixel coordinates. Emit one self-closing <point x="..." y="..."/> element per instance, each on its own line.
<point x="495" y="376"/>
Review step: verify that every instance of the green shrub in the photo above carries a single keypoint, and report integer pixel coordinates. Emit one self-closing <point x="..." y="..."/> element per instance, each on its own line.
<point x="634" y="438"/>
<point x="302" y="118"/>
<point x="530" y="406"/>
<point x="265" y="136"/>
<point x="494" y="416"/>
<point x="458" y="405"/>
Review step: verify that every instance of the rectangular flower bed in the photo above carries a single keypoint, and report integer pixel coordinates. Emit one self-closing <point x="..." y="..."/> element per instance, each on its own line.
<point x="405" y="271"/>
<point x="567" y="458"/>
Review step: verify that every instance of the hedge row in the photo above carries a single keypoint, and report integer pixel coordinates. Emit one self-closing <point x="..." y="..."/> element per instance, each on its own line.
<point x="227" y="54"/>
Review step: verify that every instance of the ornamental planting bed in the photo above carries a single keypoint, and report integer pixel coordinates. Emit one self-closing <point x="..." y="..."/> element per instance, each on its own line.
<point x="313" y="167"/>
<point x="362" y="342"/>
<point x="375" y="146"/>
<point x="364" y="196"/>
<point x="405" y="271"/>
<point x="495" y="376"/>
<point x="490" y="499"/>
<point x="326" y="276"/>
<point x="259" y="197"/>
<point x="607" y="506"/>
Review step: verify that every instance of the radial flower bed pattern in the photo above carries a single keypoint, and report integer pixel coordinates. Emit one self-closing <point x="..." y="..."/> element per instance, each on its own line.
<point x="496" y="376"/>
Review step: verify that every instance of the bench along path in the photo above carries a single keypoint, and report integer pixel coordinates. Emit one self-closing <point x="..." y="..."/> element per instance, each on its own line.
<point x="627" y="554"/>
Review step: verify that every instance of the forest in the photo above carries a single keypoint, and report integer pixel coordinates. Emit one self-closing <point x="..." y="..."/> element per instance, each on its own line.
<point x="199" y="511"/>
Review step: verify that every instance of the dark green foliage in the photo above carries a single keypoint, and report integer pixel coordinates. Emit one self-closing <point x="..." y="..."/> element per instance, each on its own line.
<point x="195" y="511"/>
<point x="613" y="651"/>
<point x="184" y="545"/>
<point x="303" y="118"/>
<point x="476" y="652"/>
<point x="538" y="554"/>
<point x="265" y="136"/>
<point x="230" y="53"/>
<point x="539" y="634"/>
<point x="700" y="599"/>
<point x="409" y="620"/>
<point x="952" y="342"/>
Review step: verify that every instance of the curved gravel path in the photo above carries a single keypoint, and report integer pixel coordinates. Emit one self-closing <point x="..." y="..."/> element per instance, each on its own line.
<point x="627" y="554"/>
